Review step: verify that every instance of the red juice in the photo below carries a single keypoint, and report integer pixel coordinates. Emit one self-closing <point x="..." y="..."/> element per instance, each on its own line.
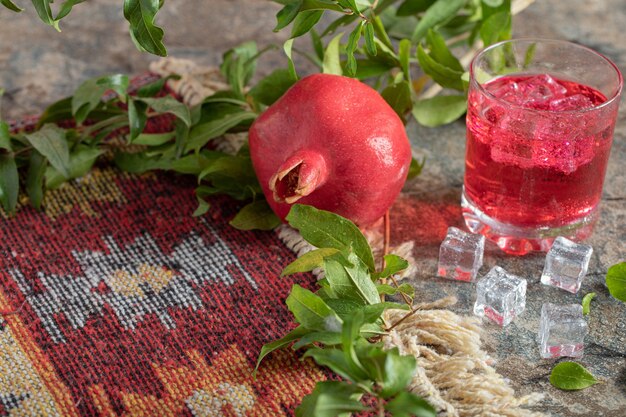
<point x="536" y="156"/>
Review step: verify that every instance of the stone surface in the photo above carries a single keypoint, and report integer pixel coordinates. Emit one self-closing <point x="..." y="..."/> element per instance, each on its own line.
<point x="39" y="66"/>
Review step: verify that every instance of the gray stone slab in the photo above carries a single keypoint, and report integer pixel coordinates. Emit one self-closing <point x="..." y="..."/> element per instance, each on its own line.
<point x="39" y="66"/>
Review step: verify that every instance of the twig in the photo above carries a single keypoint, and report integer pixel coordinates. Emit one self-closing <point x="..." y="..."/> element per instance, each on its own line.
<point x="386" y="236"/>
<point x="406" y="316"/>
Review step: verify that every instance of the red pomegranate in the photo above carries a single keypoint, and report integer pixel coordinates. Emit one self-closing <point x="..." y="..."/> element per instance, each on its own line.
<point x="334" y="143"/>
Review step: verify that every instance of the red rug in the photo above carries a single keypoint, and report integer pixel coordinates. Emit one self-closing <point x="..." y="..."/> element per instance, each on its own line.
<point x="116" y="301"/>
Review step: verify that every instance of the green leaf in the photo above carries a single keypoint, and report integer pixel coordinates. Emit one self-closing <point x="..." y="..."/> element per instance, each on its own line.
<point x="272" y="87"/>
<point x="571" y="376"/>
<point x="169" y="104"/>
<point x="117" y="83"/>
<point x="5" y="136"/>
<point x="239" y="65"/>
<point x="287" y="14"/>
<point x="35" y="178"/>
<point x="325" y="338"/>
<point x="353" y="42"/>
<point x="343" y="307"/>
<point x="321" y="5"/>
<point x="439" y="110"/>
<point x="66" y="8"/>
<point x="255" y="216"/>
<point x="391" y="290"/>
<point x="439" y="12"/>
<point x="318" y="46"/>
<point x="10" y="5"/>
<point x="493" y="3"/>
<point x="332" y="57"/>
<point x="496" y="28"/>
<point x="86" y="98"/>
<point x="81" y="161"/>
<point x="203" y="207"/>
<point x="370" y="45"/>
<point x="287" y="46"/>
<point x="416" y="167"/>
<point x="342" y="21"/>
<point x="616" y="281"/>
<point x="309" y="261"/>
<point x="407" y="404"/>
<point x="350" y="331"/>
<point x="9" y="183"/>
<point x="333" y="359"/>
<point x="62" y="110"/>
<point x="155" y="87"/>
<point x="137" y="117"/>
<point x="141" y="15"/>
<point x="586" y="303"/>
<point x="371" y="313"/>
<point x="311" y="311"/>
<point x="195" y="163"/>
<point x="441" y="74"/>
<point x="381" y="33"/>
<point x="440" y="52"/>
<point x="153" y="139"/>
<point x="138" y="163"/>
<point x="350" y="279"/>
<point x="398" y="372"/>
<point x="202" y="133"/>
<point x="491" y="7"/>
<point x="411" y="7"/>
<point x="268" y="348"/>
<point x="304" y="22"/>
<point x="398" y="96"/>
<point x="404" y="54"/>
<point x="330" y="399"/>
<point x="42" y="7"/>
<point x="51" y="142"/>
<point x="393" y="265"/>
<point x="366" y="68"/>
<point x="324" y="229"/>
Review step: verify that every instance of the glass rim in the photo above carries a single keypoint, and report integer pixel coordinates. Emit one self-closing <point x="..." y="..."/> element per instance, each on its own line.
<point x="608" y="102"/>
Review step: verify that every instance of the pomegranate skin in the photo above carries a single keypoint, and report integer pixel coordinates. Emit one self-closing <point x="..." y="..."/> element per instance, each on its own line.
<point x="334" y="143"/>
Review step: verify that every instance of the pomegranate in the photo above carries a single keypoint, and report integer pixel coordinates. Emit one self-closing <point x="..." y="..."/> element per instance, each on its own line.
<point x="334" y="143"/>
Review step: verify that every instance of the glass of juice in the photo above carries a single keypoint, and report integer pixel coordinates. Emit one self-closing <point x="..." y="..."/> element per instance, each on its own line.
<point x="540" y="121"/>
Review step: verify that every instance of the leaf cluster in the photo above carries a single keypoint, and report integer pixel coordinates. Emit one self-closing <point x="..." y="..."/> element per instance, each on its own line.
<point x="340" y="324"/>
<point x="398" y="46"/>
<point x="101" y="107"/>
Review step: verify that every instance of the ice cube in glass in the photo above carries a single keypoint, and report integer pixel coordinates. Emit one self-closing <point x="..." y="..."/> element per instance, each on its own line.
<point x="562" y="330"/>
<point x="500" y="296"/>
<point x="461" y="255"/>
<point x="566" y="264"/>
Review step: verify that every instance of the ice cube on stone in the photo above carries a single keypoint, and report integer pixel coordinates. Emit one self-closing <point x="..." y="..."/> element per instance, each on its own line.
<point x="562" y="331"/>
<point x="566" y="264"/>
<point x="461" y="255"/>
<point x="500" y="296"/>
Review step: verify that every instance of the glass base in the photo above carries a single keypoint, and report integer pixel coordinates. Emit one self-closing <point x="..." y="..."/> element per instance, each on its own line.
<point x="517" y="240"/>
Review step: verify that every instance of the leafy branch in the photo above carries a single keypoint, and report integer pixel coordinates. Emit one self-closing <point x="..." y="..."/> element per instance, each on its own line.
<point x="400" y="49"/>
<point x="340" y="324"/>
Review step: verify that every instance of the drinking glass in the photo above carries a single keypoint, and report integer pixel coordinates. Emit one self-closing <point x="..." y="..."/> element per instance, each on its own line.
<point x="540" y="121"/>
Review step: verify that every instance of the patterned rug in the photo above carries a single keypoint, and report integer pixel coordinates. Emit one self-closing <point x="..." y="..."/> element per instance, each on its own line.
<point x="115" y="300"/>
